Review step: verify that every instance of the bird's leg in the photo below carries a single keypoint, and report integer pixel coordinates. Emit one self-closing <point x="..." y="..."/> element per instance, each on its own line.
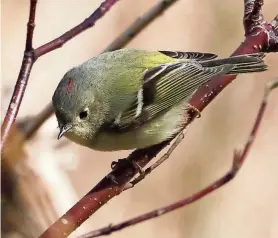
<point x="147" y="171"/>
<point x="122" y="162"/>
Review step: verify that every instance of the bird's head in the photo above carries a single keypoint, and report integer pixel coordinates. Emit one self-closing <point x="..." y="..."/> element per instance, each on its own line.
<point x="77" y="108"/>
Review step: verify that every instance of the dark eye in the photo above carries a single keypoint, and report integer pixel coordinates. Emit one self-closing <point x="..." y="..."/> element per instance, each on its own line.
<point x="83" y="115"/>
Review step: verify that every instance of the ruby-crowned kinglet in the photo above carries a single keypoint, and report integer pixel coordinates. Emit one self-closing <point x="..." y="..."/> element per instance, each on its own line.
<point x="130" y="98"/>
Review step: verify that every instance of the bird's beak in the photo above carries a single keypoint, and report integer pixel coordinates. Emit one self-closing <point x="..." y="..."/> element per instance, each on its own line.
<point x="63" y="130"/>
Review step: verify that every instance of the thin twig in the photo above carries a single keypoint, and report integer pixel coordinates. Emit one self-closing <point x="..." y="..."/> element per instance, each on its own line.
<point x="22" y="79"/>
<point x="31" y="26"/>
<point x="162" y="159"/>
<point x="238" y="160"/>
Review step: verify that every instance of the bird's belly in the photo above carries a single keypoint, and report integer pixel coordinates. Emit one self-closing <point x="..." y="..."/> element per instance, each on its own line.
<point x="154" y="132"/>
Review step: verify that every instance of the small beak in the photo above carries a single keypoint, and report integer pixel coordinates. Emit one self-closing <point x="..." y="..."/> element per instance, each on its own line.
<point x="63" y="130"/>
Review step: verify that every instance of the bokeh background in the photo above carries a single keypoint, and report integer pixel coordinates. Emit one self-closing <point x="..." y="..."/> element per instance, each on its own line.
<point x="63" y="172"/>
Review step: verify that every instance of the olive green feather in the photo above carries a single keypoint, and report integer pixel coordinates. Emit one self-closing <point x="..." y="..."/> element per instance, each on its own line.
<point x="168" y="84"/>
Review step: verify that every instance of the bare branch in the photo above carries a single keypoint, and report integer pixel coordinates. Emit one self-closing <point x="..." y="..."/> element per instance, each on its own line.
<point x="23" y="77"/>
<point x="238" y="160"/>
<point x="259" y="38"/>
<point x="31" y="25"/>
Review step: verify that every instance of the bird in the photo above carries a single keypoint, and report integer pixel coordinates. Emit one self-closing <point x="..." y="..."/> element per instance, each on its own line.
<point x="132" y="98"/>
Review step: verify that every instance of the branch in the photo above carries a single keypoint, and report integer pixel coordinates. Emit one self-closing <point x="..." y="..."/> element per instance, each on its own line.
<point x="273" y="46"/>
<point x="30" y="56"/>
<point x="23" y="77"/>
<point x="252" y="15"/>
<point x="238" y="160"/>
<point x="261" y="36"/>
<point x="257" y="39"/>
<point x="31" y="26"/>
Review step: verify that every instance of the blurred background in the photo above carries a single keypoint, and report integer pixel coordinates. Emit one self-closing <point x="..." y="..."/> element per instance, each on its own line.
<point x="51" y="176"/>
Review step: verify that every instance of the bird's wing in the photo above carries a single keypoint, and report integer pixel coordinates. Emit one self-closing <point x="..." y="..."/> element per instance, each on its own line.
<point x="189" y="55"/>
<point x="164" y="86"/>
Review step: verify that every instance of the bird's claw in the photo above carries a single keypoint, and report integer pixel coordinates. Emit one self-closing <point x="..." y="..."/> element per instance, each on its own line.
<point x="124" y="162"/>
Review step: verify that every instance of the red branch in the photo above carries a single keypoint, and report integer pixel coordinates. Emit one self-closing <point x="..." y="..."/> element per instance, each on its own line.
<point x="238" y="160"/>
<point x="22" y="79"/>
<point x="260" y="36"/>
<point x="30" y="56"/>
<point x="31" y="26"/>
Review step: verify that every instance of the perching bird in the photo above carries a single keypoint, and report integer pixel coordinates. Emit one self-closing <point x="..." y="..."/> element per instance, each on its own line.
<point x="130" y="98"/>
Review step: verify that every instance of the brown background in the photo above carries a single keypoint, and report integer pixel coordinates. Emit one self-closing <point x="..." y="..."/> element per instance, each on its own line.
<point x="247" y="207"/>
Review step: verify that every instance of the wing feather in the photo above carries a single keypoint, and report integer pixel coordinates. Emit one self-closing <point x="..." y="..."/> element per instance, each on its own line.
<point x="189" y="55"/>
<point x="169" y="84"/>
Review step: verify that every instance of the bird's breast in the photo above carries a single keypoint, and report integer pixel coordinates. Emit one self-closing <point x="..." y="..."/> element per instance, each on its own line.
<point x="154" y="132"/>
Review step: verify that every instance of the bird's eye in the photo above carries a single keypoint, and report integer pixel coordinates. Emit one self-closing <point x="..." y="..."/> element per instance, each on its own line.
<point x="83" y="115"/>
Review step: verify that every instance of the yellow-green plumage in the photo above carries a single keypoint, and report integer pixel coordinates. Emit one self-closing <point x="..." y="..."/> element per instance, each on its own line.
<point x="130" y="98"/>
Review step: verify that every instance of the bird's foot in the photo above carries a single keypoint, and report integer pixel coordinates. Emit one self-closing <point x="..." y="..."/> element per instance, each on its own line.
<point x="124" y="162"/>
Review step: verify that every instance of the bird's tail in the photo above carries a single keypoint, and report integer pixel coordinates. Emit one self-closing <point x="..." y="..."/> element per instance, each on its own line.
<point x="248" y="63"/>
